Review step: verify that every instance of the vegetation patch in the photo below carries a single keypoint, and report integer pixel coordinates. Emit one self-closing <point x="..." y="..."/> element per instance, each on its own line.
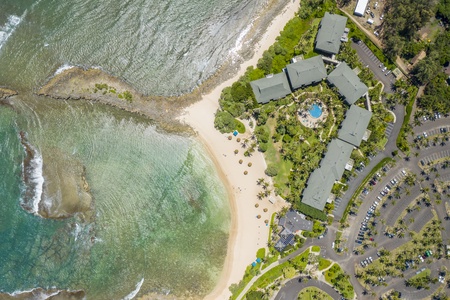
<point x="324" y="263"/>
<point x="315" y="249"/>
<point x="312" y="293"/>
<point x="421" y="280"/>
<point x="261" y="253"/>
<point x="340" y="281"/>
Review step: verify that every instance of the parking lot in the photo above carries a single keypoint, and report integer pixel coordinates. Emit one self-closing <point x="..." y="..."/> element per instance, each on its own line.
<point x="433" y="157"/>
<point x="369" y="59"/>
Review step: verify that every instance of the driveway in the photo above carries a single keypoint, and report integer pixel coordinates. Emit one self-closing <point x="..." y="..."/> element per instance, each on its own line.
<point x="369" y="59"/>
<point x="293" y="287"/>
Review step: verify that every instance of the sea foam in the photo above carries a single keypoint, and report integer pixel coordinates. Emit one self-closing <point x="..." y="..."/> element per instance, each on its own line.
<point x="63" y="68"/>
<point x="7" y="30"/>
<point x="234" y="52"/>
<point x="136" y="290"/>
<point x="36" y="177"/>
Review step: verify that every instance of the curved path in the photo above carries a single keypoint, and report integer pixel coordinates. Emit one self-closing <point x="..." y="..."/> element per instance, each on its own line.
<point x="293" y="287"/>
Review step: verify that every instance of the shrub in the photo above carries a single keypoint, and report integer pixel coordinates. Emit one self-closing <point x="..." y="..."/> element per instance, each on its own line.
<point x="262" y="147"/>
<point x="311" y="211"/>
<point x="224" y="122"/>
<point x="272" y="170"/>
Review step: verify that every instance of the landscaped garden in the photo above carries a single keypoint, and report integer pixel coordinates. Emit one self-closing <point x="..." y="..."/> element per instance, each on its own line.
<point x="312" y="293"/>
<point x="336" y="277"/>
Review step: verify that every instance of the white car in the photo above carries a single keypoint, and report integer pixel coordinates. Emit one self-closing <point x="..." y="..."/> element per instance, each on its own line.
<point x="384" y="69"/>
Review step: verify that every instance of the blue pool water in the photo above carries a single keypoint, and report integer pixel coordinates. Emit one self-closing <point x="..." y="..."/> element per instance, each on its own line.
<point x="315" y="111"/>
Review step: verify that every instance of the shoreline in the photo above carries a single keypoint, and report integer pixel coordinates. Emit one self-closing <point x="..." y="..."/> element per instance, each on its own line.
<point x="247" y="233"/>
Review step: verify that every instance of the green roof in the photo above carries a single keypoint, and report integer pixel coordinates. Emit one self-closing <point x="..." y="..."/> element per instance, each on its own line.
<point x="336" y="158"/>
<point x="348" y="83"/>
<point x="271" y="88"/>
<point x="331" y="29"/>
<point x="306" y="72"/>
<point x="354" y="125"/>
<point x="318" y="189"/>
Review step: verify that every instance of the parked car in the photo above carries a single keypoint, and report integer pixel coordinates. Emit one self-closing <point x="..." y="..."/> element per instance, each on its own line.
<point x="372" y="14"/>
<point x="425" y="135"/>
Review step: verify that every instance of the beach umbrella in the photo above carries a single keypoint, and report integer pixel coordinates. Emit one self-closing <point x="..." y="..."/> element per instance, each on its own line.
<point x="258" y="216"/>
<point x="256" y="205"/>
<point x="265" y="209"/>
<point x="245" y="172"/>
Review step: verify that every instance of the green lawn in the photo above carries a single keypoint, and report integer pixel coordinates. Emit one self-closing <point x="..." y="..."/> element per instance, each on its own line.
<point x="272" y="156"/>
<point x="315" y="249"/>
<point x="299" y="262"/>
<point x="313" y="292"/>
<point x="339" y="280"/>
<point x="261" y="253"/>
<point x="324" y="263"/>
<point x="424" y="273"/>
<point x="270" y="276"/>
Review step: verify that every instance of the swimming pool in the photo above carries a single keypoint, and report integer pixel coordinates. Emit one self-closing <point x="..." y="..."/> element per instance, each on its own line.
<point x="315" y="111"/>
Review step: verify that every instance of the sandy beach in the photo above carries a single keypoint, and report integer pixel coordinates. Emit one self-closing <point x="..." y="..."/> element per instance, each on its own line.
<point x="248" y="233"/>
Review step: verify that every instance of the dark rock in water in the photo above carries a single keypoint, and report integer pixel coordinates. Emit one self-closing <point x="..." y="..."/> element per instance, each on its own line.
<point x="68" y="192"/>
<point x="40" y="293"/>
<point x="96" y="85"/>
<point x="31" y="173"/>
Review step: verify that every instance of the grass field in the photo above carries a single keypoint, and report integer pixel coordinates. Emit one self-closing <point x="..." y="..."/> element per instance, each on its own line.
<point x="312" y="293"/>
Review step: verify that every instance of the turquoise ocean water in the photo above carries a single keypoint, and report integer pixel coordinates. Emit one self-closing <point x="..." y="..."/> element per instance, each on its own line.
<point x="161" y="212"/>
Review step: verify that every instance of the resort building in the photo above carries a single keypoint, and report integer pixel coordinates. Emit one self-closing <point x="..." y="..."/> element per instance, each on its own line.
<point x="354" y="126"/>
<point x="331" y="33"/>
<point x="337" y="158"/>
<point x="272" y="87"/>
<point x="306" y="72"/>
<point x="292" y="223"/>
<point x="360" y="8"/>
<point x="318" y="188"/>
<point x="348" y="83"/>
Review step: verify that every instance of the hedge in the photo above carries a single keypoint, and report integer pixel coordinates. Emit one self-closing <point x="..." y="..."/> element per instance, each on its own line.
<point x="311" y="211"/>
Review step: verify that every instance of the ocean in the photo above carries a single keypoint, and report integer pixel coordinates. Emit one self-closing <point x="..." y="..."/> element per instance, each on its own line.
<point x="161" y="215"/>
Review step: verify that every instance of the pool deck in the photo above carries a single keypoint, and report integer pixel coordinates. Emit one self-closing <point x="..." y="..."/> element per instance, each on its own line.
<point x="308" y="120"/>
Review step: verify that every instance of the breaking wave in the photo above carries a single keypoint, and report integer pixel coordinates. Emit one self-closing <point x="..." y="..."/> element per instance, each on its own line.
<point x="136" y="290"/>
<point x="8" y="29"/>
